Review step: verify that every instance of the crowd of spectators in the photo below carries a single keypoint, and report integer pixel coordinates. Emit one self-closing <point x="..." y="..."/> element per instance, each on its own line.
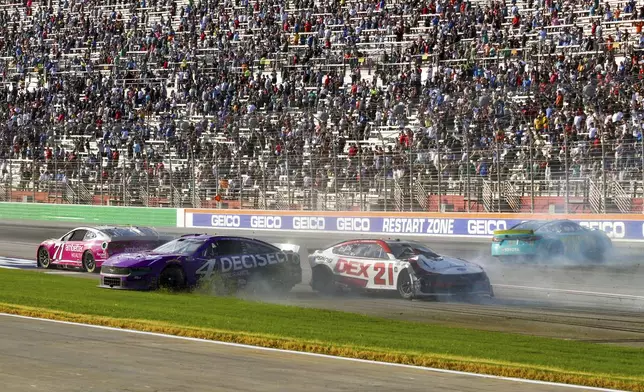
<point x="318" y="94"/>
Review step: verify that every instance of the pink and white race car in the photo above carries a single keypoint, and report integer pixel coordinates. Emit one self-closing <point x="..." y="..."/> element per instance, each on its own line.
<point x="89" y="247"/>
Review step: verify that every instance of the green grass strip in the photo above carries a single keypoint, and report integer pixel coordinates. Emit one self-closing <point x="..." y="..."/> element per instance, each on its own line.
<point x="323" y="331"/>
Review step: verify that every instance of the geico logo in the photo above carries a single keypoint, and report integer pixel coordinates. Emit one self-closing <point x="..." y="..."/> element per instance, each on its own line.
<point x="353" y="224"/>
<point x="485" y="226"/>
<point x="265" y="222"/>
<point x="309" y="223"/>
<point x="352" y="268"/>
<point x="73" y="248"/>
<point x="225" y="220"/>
<point x="612" y="229"/>
<point x="236" y="263"/>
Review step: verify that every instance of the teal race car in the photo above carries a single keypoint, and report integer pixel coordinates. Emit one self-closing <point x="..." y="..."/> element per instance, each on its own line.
<point x="548" y="240"/>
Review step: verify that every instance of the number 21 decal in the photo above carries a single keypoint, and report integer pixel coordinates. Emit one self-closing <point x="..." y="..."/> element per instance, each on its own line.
<point x="380" y="269"/>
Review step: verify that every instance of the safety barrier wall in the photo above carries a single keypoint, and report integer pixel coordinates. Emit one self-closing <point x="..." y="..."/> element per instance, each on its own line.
<point x="620" y="227"/>
<point x="95" y="215"/>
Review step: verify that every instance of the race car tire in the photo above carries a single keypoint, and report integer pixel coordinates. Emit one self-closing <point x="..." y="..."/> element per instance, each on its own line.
<point x="43" y="260"/>
<point x="322" y="280"/>
<point x="405" y="286"/>
<point x="595" y="253"/>
<point x="172" y="278"/>
<point x="554" y="249"/>
<point x="89" y="264"/>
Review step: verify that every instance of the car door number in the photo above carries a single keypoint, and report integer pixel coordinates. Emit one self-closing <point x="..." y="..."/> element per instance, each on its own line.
<point x="381" y="269"/>
<point x="58" y="251"/>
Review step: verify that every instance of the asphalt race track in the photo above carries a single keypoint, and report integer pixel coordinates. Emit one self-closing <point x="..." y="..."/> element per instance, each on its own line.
<point x="598" y="303"/>
<point x="37" y="356"/>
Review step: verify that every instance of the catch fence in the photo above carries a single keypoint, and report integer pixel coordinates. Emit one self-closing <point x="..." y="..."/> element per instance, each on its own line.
<point x="593" y="178"/>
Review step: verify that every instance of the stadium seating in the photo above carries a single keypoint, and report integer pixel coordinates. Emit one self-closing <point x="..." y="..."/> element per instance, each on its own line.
<point x="302" y="104"/>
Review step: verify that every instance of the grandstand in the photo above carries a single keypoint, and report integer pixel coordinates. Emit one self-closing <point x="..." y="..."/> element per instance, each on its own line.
<point x="378" y="105"/>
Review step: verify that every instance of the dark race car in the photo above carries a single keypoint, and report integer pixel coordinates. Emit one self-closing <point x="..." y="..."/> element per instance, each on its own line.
<point x="185" y="261"/>
<point x="409" y="267"/>
<point x="89" y="247"/>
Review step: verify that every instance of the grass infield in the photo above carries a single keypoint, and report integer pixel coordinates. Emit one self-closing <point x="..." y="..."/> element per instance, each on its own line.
<point x="323" y="331"/>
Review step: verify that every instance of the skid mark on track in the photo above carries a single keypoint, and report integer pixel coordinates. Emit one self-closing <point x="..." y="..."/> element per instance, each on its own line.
<point x="578" y="292"/>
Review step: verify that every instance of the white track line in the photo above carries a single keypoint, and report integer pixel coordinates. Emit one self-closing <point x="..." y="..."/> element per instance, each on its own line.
<point x="246" y="346"/>
<point x="579" y="292"/>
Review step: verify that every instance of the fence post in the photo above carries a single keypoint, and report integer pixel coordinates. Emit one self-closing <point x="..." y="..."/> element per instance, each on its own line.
<point x="530" y="145"/>
<point x="239" y="172"/>
<point x="147" y="182"/>
<point x="288" y="175"/>
<point x="567" y="174"/>
<point x="100" y="176"/>
<point x="264" y="167"/>
<point x="55" y="174"/>
<point x="604" y="190"/>
<point x="35" y="177"/>
<point x="171" y="179"/>
<point x="360" y="179"/>
<point x="335" y="175"/>
<point x="468" y="188"/>
<point x="193" y="174"/>
<point x="123" y="174"/>
<point x="411" y="180"/>
<point x="313" y="187"/>
<point x="642" y="166"/>
<point x="439" y="170"/>
<point x="498" y="175"/>
<point x="384" y="158"/>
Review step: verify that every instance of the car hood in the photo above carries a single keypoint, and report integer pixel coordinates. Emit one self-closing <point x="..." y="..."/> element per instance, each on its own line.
<point x="137" y="259"/>
<point x="446" y="265"/>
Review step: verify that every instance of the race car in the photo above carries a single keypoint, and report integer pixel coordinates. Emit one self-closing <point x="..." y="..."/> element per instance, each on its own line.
<point x="183" y="262"/>
<point x="89" y="247"/>
<point x="409" y="267"/>
<point x="541" y="239"/>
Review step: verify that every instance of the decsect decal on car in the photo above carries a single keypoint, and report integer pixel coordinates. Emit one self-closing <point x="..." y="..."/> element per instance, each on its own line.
<point x="235" y="264"/>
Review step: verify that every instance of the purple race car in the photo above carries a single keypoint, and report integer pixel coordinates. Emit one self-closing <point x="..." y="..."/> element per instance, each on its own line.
<point x="183" y="262"/>
<point x="88" y="247"/>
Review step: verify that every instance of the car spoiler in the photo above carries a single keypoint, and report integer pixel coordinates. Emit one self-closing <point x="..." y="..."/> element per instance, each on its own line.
<point x="287" y="247"/>
<point x="513" y="232"/>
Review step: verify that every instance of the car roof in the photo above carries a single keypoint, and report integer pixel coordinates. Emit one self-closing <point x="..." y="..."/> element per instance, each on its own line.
<point x="206" y="236"/>
<point x="543" y="222"/>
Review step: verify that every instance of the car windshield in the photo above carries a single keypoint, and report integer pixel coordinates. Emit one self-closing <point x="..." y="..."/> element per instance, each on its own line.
<point x="121" y="232"/>
<point x="405" y="250"/>
<point x="529" y="225"/>
<point x="181" y="246"/>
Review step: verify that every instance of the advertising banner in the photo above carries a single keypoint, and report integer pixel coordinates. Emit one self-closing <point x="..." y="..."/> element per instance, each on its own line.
<point x="482" y="225"/>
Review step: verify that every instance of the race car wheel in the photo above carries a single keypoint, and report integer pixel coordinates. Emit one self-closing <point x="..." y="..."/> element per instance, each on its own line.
<point x="555" y="249"/>
<point x="595" y="253"/>
<point x="172" y="278"/>
<point x="405" y="286"/>
<point x="89" y="264"/>
<point x="43" y="258"/>
<point x="322" y="280"/>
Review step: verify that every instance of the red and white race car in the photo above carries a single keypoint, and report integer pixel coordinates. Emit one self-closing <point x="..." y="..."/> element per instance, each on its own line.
<point x="409" y="267"/>
<point x="88" y="247"/>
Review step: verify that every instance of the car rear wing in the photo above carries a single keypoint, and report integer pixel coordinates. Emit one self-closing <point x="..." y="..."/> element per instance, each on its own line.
<point x="504" y="234"/>
<point x="289" y="247"/>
